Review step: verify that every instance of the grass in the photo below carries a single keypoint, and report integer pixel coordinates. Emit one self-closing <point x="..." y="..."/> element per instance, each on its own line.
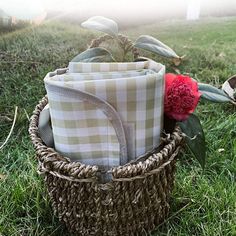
<point x="203" y="202"/>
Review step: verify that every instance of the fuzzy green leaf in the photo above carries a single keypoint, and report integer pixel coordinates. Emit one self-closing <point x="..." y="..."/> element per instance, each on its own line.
<point x="195" y="137"/>
<point x="94" y="55"/>
<point x="152" y="40"/>
<point x="212" y="93"/>
<point x="151" y="44"/>
<point x="102" y="24"/>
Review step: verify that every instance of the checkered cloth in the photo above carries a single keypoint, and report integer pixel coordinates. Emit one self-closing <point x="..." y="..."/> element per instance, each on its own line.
<point x="106" y="114"/>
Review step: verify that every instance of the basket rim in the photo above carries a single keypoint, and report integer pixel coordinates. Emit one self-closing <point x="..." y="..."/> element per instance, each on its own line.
<point x="50" y="161"/>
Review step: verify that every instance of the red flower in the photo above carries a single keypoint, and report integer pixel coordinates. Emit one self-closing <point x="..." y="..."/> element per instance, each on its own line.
<point x="181" y="96"/>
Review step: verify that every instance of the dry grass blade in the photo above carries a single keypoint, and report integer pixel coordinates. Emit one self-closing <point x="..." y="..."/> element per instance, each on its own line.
<point x="27" y="115"/>
<point x="175" y="214"/>
<point x="11" y="130"/>
<point x="5" y="118"/>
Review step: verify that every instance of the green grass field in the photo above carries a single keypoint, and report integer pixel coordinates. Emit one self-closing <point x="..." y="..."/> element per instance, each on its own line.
<point x="203" y="202"/>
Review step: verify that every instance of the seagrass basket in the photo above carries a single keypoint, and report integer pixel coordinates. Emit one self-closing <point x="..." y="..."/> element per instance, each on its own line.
<point x="134" y="202"/>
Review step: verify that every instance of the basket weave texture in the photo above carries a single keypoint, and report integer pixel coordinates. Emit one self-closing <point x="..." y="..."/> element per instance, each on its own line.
<point x="135" y="202"/>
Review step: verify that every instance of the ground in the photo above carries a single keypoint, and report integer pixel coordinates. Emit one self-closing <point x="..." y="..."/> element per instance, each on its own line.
<point x="203" y="202"/>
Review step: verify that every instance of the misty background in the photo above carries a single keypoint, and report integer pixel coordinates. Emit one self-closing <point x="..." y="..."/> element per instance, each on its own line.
<point x="125" y="12"/>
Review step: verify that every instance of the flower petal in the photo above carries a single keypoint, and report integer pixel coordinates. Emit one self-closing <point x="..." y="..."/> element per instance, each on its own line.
<point x="169" y="78"/>
<point x="194" y="85"/>
<point x="179" y="117"/>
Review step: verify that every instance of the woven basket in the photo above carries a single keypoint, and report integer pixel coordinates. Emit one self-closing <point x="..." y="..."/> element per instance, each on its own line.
<point x="133" y="203"/>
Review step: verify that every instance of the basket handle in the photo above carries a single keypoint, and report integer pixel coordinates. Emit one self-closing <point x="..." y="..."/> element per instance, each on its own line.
<point x="125" y="42"/>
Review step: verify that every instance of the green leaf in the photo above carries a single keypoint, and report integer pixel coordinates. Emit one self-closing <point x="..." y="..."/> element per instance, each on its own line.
<point x="169" y="124"/>
<point x="151" y="44"/>
<point x="195" y="137"/>
<point x="212" y="93"/>
<point x="102" y="24"/>
<point x="94" y="55"/>
<point x="152" y="40"/>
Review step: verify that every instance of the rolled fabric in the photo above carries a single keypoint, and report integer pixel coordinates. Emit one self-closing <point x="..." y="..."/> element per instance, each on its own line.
<point x="106" y="114"/>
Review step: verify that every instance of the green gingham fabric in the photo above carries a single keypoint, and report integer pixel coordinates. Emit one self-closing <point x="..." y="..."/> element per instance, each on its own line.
<point x="84" y="130"/>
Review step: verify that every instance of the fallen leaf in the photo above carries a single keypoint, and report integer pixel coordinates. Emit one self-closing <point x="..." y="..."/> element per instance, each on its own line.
<point x="2" y="176"/>
<point x="229" y="87"/>
<point x="221" y="55"/>
<point x="220" y="150"/>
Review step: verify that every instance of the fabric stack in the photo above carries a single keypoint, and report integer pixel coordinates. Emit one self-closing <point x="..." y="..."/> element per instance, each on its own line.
<point x="105" y="114"/>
